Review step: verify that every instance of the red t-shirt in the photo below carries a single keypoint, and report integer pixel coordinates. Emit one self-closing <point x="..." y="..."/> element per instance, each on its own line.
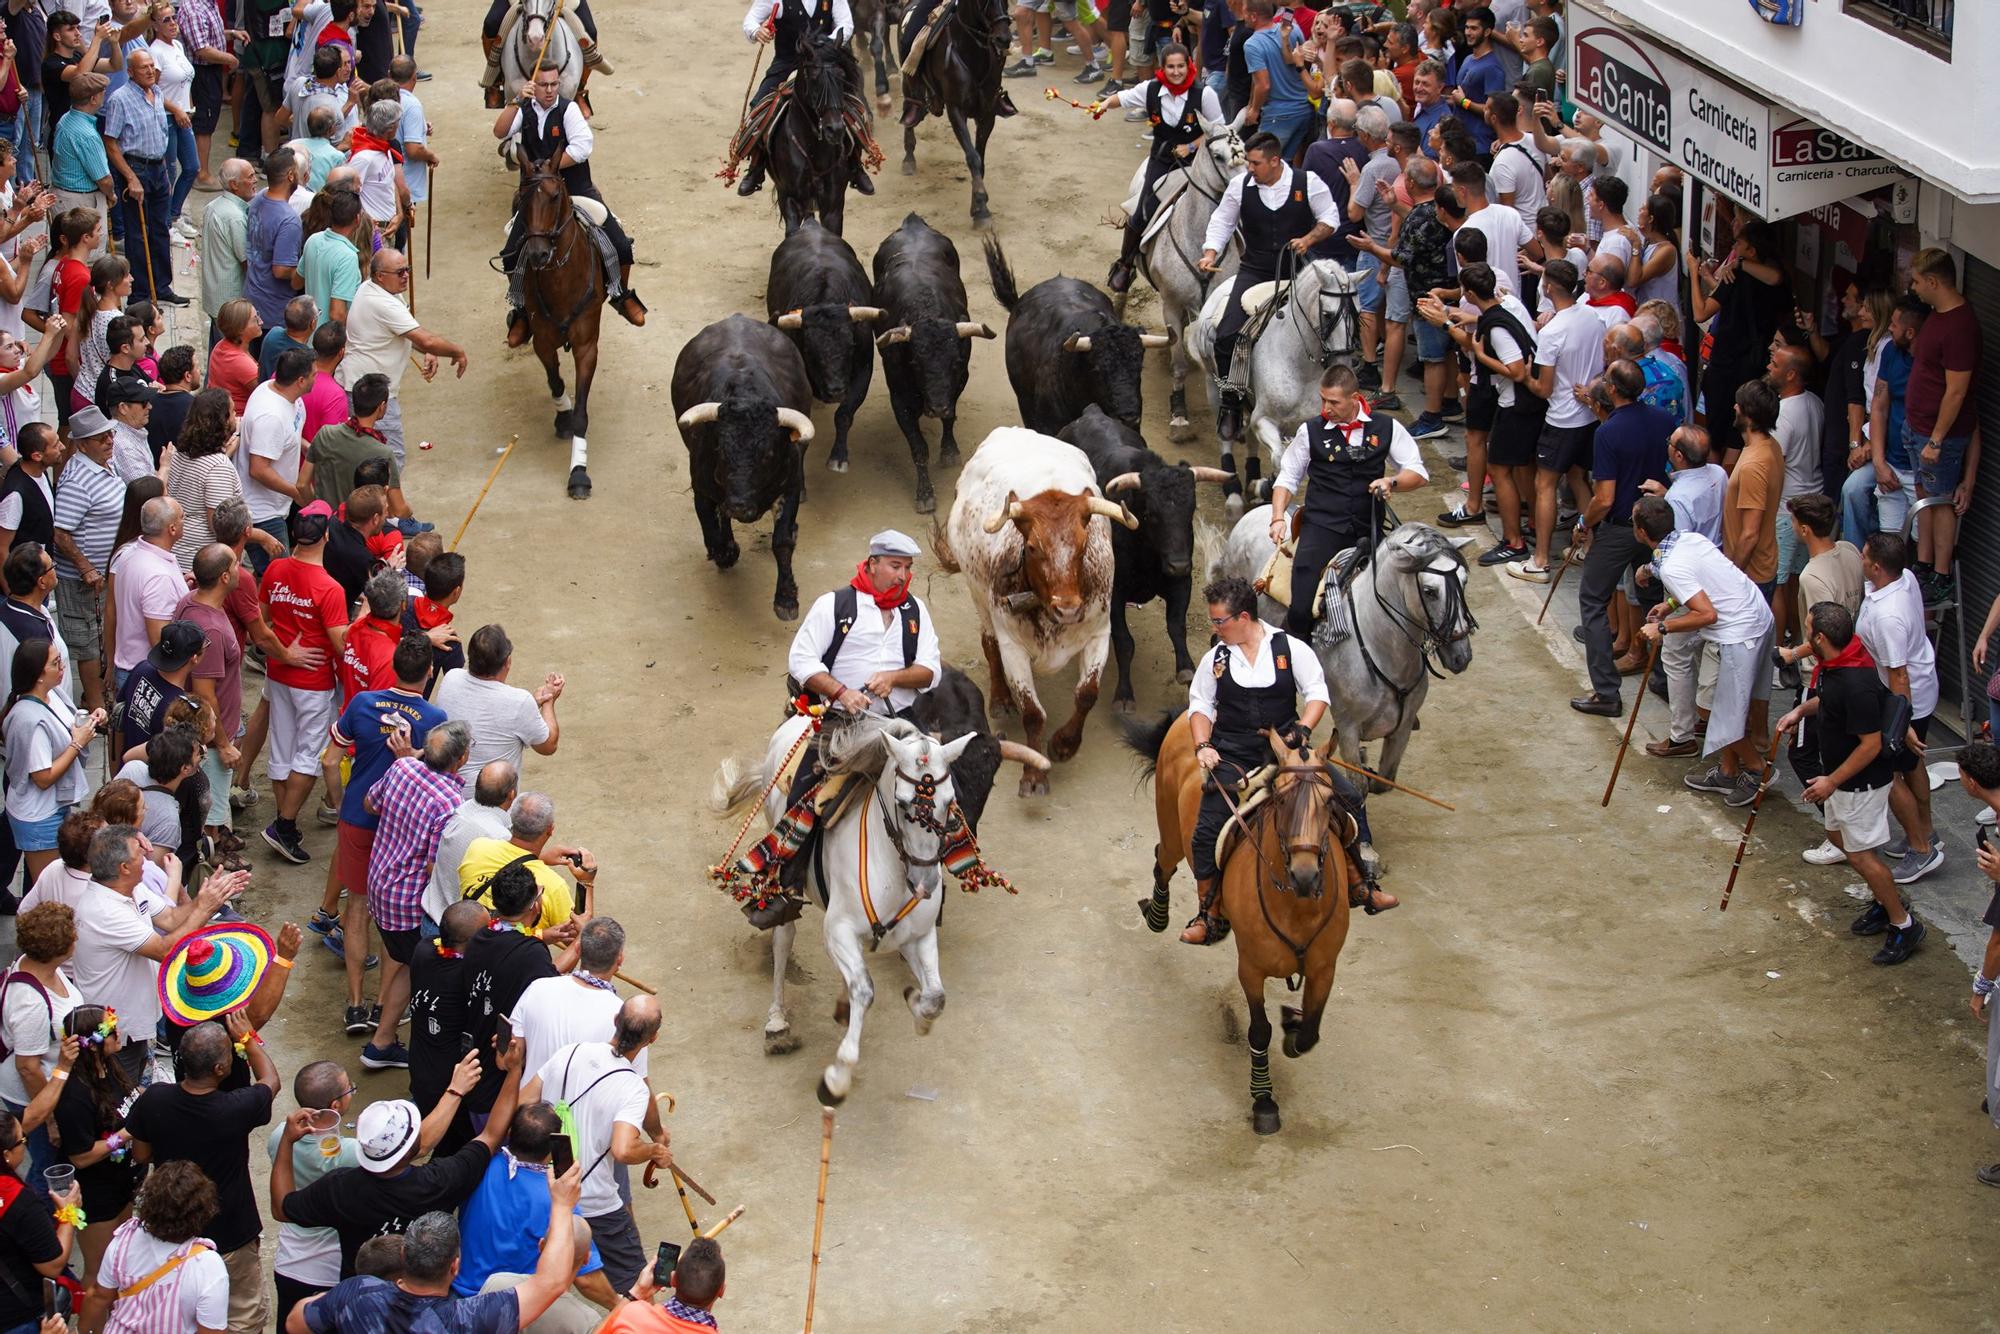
<point x="243" y="604"/>
<point x="333" y="32"/>
<point x="367" y="660"/>
<point x="1947" y="342"/>
<point x="429" y="614"/>
<point x="304" y="603"/>
<point x="233" y="369"/>
<point x="72" y="280"/>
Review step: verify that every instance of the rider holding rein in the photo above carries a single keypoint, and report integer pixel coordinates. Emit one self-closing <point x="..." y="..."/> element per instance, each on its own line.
<point x="554" y="128"/>
<point x="1177" y="104"/>
<point x="1344" y="455"/>
<point x="786" y="26"/>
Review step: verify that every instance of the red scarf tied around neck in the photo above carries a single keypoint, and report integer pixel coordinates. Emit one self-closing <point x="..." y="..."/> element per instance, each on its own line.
<point x="364" y="142"/>
<point x="1177" y="89"/>
<point x="1854" y="655"/>
<point x="888" y="599"/>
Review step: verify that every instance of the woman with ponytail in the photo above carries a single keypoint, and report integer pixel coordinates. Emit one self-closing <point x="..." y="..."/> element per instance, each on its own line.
<point x="90" y="1125"/>
<point x="1657" y="275"/>
<point x="45" y="741"/>
<point x="1177" y="106"/>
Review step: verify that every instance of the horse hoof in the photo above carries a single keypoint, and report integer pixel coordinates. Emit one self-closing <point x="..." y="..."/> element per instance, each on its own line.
<point x="727" y="557"/>
<point x="1180" y="430"/>
<point x="1184" y="675"/>
<point x="948" y="457"/>
<point x="882" y="104"/>
<point x="1290" y="1017"/>
<point x="836" y="465"/>
<point x="579" y="483"/>
<point x="1264" y="1117"/>
<point x="927" y="504"/>
<point x="827" y="1097"/>
<point x="781" y="1043"/>
<point x="785" y="610"/>
<point x="1124" y="706"/>
<point x="1292" y="1041"/>
<point x="909" y="166"/>
<point x="1232" y="505"/>
<point x="1034" y="784"/>
<point x="840" y="1011"/>
<point x="565" y="425"/>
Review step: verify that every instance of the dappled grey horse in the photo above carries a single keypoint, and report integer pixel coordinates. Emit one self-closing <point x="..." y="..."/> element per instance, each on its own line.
<point x="1378" y="634"/>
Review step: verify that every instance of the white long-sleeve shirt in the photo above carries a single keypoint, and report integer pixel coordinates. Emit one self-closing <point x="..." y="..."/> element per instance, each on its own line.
<point x="1223" y="221"/>
<point x="761" y="11"/>
<point x="1171" y="104"/>
<point x="1403" y="452"/>
<point x="1254" y="665"/>
<point x="576" y="129"/>
<point x="874" y="644"/>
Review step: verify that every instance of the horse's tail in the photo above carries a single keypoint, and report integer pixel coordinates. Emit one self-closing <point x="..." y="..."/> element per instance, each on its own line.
<point x="735" y="784"/>
<point x="1145" y="737"/>
<point x="1004" y="287"/>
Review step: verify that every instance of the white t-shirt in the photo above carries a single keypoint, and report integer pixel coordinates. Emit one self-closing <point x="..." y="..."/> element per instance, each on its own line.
<point x="471" y="821"/>
<point x="1505" y="235"/>
<point x="376" y="173"/>
<point x="1506" y="349"/>
<point x="1693" y="564"/>
<point x="1520" y="170"/>
<point x="59" y="883"/>
<point x="10" y="504"/>
<point x="110" y="929"/>
<point x="602" y="1090"/>
<point x="35" y="735"/>
<point x="269" y="428"/>
<point x="1799" y="420"/>
<point x="504" y="719"/>
<point x="193" y="1296"/>
<point x="376" y="323"/>
<point x="176" y="73"/>
<point x="1618" y="244"/>
<point x="1891" y="624"/>
<point x="557" y="1012"/>
<point x="34" y="1027"/>
<point x="1572" y="342"/>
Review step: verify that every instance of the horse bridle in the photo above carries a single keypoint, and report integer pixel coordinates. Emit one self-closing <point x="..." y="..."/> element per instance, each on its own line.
<point x="544" y="172"/>
<point x="923" y="811"/>
<point x="1275" y="876"/>
<point x="1427" y="637"/>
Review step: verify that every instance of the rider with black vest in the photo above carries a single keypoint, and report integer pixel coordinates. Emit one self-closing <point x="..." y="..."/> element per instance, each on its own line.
<point x="870" y="647"/>
<point x="787" y="25"/>
<point x="1275" y="207"/>
<point x="27" y="500"/>
<point x="1176" y="103"/>
<point x="553" y="128"/>
<point x="1343" y="455"/>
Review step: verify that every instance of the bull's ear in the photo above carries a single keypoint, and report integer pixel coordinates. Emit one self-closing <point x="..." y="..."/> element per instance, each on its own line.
<point x="951" y="750"/>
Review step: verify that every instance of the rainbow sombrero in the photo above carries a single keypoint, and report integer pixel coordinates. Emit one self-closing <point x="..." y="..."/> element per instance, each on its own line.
<point x="213" y="971"/>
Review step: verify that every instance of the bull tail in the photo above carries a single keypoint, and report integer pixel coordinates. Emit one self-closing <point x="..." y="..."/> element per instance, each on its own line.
<point x="1144" y="737"/>
<point x="947" y="559"/>
<point x="736" y="783"/>
<point x="1004" y="288"/>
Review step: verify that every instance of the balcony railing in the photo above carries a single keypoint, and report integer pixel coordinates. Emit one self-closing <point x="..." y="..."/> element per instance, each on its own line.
<point x="1926" y="23"/>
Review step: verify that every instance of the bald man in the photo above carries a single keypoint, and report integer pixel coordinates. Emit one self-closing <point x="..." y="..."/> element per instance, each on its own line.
<point x="381" y="333"/>
<point x="137" y="141"/>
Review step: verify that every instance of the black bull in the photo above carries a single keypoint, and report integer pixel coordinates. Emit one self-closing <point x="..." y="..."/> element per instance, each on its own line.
<point x="743" y="402"/>
<point x="818" y="293"/>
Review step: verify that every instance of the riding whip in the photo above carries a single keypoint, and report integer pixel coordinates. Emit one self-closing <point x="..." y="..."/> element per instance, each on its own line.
<point x="1763" y="786"/>
<point x="1555" y="583"/>
<point x="819" y="1214"/>
<point x="505" y="454"/>
<point x="743" y="116"/>
<point x="1652" y="656"/>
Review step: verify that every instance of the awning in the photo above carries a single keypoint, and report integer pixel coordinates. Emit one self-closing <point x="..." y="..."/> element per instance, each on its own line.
<point x="1768" y="158"/>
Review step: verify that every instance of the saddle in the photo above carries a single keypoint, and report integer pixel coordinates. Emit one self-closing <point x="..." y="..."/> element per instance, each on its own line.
<point x="916" y="43"/>
<point x="1259" y="785"/>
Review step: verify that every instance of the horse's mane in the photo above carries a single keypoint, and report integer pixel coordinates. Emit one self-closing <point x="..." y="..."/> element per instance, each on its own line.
<point x="826" y="71"/>
<point x="1424" y="541"/>
<point x="857" y="745"/>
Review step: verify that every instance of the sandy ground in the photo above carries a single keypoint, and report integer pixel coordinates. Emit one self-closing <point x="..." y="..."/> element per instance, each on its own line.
<point x="1558" y="1090"/>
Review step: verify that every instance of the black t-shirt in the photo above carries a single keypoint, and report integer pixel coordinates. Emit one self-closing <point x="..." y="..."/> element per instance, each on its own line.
<point x="147" y="696"/>
<point x="55" y="93"/>
<point x="439" y="1029"/>
<point x="170" y="411"/>
<point x="375" y="45"/>
<point x="212" y="1131"/>
<point x="502" y="964"/>
<point x="348" y="560"/>
<point x="1992" y="917"/>
<point x="29" y="32"/>
<point x="358" y="1204"/>
<point x="1236" y="74"/>
<point x="107" y="1186"/>
<point x="1749" y="313"/>
<point x="1850" y="706"/>
<point x="238" y="1077"/>
<point x="27" y="1238"/>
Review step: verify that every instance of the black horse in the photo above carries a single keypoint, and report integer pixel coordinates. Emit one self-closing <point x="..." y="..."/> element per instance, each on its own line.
<point x="872" y="21"/>
<point x="811" y="149"/>
<point x="959" y="78"/>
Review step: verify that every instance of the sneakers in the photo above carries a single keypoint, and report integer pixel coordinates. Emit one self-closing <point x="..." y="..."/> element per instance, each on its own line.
<point x="1091" y="73"/>
<point x="356" y="1021"/>
<point x="327" y="815"/>
<point x="1743" y="791"/>
<point x="1824" y="855"/>
<point x="1385" y="403"/>
<point x="1506" y="555"/>
<point x="286" y="844"/>
<point x="1044" y="56"/>
<point x="1989" y="1176"/>
<point x="1023" y="68"/>
<point x="395" y="1056"/>
<point x="242" y="798"/>
<point x="1460" y="517"/>
<point x="1113" y="87"/>
<point x="1987" y="815"/>
<point x="1711" y="779"/>
<point x="1427" y="427"/>
<point x="1894" y="850"/>
<point x="169" y="297"/>
<point x="323" y="922"/>
<point x="1368" y="376"/>
<point x="1901" y="944"/>
<point x="1099" y="54"/>
<point x="1916" y="865"/>
<point x="1452" y="411"/>
<point x="1526" y="569"/>
<point x="1873" y="921"/>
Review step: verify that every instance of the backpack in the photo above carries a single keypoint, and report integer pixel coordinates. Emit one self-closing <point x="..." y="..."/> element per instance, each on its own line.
<point x="846" y="605"/>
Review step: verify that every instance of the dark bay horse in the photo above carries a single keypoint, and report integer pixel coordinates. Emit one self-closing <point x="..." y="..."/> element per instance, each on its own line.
<point x="811" y="150"/>
<point x="872" y="21"/>
<point x="563" y="282"/>
<point x="960" y="75"/>
<point x="1284" y="889"/>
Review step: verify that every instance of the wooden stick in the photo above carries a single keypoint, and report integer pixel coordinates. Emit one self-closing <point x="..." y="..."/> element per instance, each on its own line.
<point x="1388" y="782"/>
<point x="505" y="454"/>
<point x="819" y="1214"/>
<point x="1555" y="583"/>
<point x="547" y="33"/>
<point x="743" y="116"/>
<point x="635" y="982"/>
<point x="689" y="1182"/>
<point x="1770" y="776"/>
<point x="1652" y="656"/>
<point x="146" y="244"/>
<point x="430" y="217"/>
<point x="716" y="1230"/>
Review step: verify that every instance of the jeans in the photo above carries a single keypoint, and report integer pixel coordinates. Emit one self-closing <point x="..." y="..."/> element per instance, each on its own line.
<point x="31" y="135"/>
<point x="278" y="528"/>
<point x="1293" y="128"/>
<point x="154" y="210"/>
<point x="187" y="163"/>
<point x="1863" y="510"/>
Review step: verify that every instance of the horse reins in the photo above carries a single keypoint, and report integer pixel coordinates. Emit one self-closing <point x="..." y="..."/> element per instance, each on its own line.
<point x="560" y="246"/>
<point x="1428" y="638"/>
<point x="923" y="810"/>
<point x="1316" y="774"/>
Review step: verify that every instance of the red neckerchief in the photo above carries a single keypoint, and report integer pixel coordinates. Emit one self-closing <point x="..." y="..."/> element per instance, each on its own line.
<point x="1622" y="300"/>
<point x="354" y="424"/>
<point x="1854" y="655"/>
<point x="1673" y="346"/>
<point x="1180" y="89"/>
<point x="887" y="599"/>
<point x="365" y="142"/>
<point x="1348" y="428"/>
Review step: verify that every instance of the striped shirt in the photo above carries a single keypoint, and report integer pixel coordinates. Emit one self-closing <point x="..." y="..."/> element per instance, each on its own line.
<point x="193" y="1295"/>
<point x="137" y="122"/>
<point x="90" y="500"/>
<point x="414" y="802"/>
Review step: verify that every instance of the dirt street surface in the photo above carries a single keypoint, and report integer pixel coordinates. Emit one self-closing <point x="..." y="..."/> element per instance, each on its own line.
<point x="1558" y="1089"/>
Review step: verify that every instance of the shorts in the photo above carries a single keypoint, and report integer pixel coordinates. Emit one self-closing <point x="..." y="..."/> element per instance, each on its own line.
<point x="1792" y="553"/>
<point x="218" y="814"/>
<point x="1401" y="310"/>
<point x="1515" y="436"/>
<point x="350" y="857"/>
<point x="391" y="427"/>
<point x="299" y="722"/>
<point x="400" y="945"/>
<point x="1743" y="679"/>
<point x="1909" y="761"/>
<point x="37" y="835"/>
<point x="1064" y="10"/>
<point x="266" y="87"/>
<point x="81" y="618"/>
<point x="1368" y="292"/>
<point x="207" y="99"/>
<point x="1860" y="818"/>
<point x="1118" y="15"/>
<point x="1433" y="343"/>
<point x="1561" y="448"/>
<point x="1482" y="405"/>
<point x="1940" y="478"/>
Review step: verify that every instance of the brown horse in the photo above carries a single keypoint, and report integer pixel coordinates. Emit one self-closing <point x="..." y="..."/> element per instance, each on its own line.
<point x="1284" y="889"/>
<point x="563" y="283"/>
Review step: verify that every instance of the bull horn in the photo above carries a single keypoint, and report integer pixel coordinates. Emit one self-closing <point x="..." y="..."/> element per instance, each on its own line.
<point x="1022" y="755"/>
<point x="792" y="319"/>
<point x="1124" y="481"/>
<point x="1219" y="475"/>
<point x="1005" y="516"/>
<point x="864" y="314"/>
<point x="967" y="329"/>
<point x="699" y="413"/>
<point x="899" y="334"/>
<point x="800" y="425"/>
<point x="1115" y="513"/>
<point x="1155" y="340"/>
<point x="1077" y="343"/>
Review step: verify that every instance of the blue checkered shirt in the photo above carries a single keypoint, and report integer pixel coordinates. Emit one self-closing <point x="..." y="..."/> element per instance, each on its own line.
<point x="139" y="125"/>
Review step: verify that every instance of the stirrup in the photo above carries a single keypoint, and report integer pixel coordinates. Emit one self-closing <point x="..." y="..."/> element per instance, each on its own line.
<point x="1362" y="896"/>
<point x="1218" y="929"/>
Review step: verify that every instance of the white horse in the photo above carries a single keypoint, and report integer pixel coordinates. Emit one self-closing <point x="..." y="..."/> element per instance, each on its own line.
<point x="1316" y="323"/>
<point x="883" y="877"/>
<point x="531" y="23"/>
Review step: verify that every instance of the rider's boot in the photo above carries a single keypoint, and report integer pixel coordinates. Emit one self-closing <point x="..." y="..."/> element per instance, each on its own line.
<point x="1229" y="412"/>
<point x="1362" y="891"/>
<point x="1208" y="926"/>
<point x="913" y="113"/>
<point x="628" y="303"/>
<point x="753" y="179"/>
<point x="517" y="311"/>
<point x="490" y="47"/>
<point x="1005" y="107"/>
<point x="1120" y="278"/>
<point x="858" y="177"/>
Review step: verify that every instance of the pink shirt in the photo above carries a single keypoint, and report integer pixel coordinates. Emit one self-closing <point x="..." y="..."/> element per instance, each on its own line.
<point x="326" y="404"/>
<point x="149" y="584"/>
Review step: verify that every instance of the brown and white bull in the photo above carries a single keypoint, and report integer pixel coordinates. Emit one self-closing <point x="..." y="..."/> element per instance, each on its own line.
<point x="1032" y="534"/>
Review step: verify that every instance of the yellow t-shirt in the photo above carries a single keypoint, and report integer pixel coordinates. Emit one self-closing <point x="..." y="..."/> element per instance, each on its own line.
<point x="485" y="856"/>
